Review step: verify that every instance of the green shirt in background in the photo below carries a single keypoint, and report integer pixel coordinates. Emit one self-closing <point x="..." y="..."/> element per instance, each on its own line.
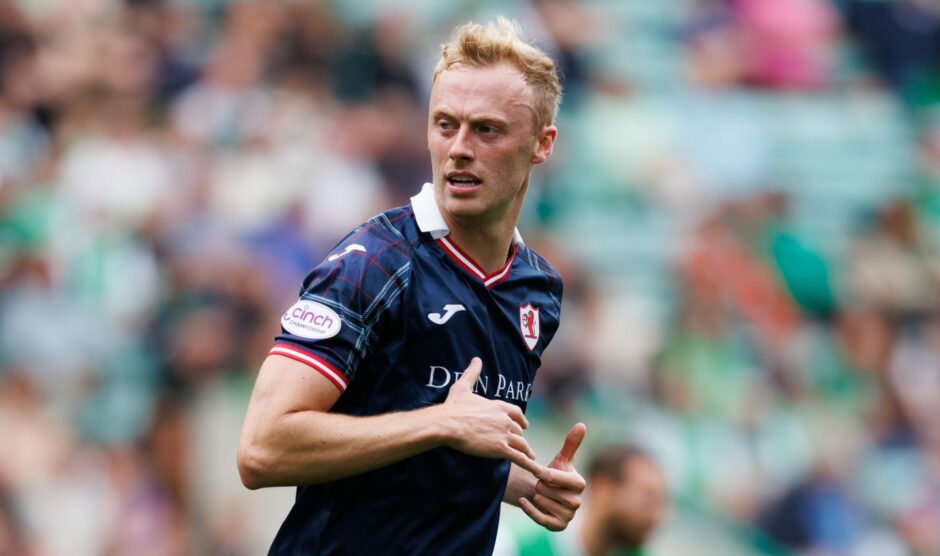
<point x="542" y="542"/>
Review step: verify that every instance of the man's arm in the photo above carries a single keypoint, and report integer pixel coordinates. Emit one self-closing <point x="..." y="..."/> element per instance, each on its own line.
<point x="288" y="437"/>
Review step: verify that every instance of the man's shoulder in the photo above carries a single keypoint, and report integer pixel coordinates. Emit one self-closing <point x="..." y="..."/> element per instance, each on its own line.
<point x="375" y="254"/>
<point x="540" y="265"/>
<point x="386" y="239"/>
<point x="394" y="227"/>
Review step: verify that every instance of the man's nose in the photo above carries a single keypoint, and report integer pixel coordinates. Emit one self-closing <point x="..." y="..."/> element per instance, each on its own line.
<point x="460" y="148"/>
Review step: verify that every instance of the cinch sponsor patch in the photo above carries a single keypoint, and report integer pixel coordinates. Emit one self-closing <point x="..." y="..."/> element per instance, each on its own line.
<point x="309" y="319"/>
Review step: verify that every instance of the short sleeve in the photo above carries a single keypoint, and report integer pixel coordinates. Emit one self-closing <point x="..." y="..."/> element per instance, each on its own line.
<point x="338" y="318"/>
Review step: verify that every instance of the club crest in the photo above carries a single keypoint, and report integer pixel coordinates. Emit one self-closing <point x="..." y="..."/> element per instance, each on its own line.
<point x="529" y="324"/>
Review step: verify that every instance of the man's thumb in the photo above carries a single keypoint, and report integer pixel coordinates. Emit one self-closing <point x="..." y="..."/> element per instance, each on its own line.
<point x="573" y="441"/>
<point x="471" y="374"/>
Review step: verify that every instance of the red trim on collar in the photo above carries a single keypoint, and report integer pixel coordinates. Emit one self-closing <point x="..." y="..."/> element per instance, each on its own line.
<point x="467" y="263"/>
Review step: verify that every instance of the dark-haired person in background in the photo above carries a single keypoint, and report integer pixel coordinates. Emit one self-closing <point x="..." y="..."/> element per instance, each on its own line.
<point x="625" y="500"/>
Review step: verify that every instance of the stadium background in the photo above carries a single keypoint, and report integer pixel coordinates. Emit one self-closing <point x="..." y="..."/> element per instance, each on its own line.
<point x="744" y="201"/>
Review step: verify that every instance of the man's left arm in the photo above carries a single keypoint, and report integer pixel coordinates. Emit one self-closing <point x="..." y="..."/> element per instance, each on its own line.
<point x="552" y="499"/>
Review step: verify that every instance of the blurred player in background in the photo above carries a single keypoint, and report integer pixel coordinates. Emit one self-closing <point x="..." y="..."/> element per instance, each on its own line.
<point x="395" y="396"/>
<point x="626" y="499"/>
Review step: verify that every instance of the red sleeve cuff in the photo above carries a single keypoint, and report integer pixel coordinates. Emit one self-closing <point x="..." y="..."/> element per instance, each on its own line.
<point x="317" y="363"/>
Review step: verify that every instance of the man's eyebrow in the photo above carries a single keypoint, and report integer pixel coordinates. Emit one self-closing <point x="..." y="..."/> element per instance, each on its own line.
<point x="489" y="119"/>
<point x="480" y="119"/>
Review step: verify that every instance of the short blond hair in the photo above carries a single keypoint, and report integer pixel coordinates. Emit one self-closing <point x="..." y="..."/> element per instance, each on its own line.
<point x="485" y="45"/>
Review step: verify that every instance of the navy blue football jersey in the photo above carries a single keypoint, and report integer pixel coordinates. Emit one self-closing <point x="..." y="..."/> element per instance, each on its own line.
<point x="392" y="317"/>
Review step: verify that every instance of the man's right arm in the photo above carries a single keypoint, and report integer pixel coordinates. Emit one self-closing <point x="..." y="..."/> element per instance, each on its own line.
<point x="289" y="438"/>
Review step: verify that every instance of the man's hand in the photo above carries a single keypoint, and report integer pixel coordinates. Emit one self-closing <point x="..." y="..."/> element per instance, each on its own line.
<point x="558" y="491"/>
<point x="484" y="427"/>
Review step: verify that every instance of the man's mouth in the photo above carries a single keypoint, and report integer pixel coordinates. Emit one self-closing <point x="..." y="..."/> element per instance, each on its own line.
<point x="463" y="180"/>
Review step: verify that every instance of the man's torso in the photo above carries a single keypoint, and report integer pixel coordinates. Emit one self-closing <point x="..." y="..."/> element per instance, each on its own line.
<point x="426" y="313"/>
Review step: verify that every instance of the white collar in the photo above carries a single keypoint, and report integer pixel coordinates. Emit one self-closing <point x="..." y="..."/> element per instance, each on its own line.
<point x="429" y="217"/>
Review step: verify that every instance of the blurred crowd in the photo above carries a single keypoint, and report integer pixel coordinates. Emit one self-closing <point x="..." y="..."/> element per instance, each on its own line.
<point x="763" y="318"/>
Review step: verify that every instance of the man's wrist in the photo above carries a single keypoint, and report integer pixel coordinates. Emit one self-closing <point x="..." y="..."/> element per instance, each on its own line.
<point x="527" y="484"/>
<point x="521" y="485"/>
<point x="437" y="422"/>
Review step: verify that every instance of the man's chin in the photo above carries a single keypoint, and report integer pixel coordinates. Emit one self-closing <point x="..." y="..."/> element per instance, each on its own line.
<point x="463" y="208"/>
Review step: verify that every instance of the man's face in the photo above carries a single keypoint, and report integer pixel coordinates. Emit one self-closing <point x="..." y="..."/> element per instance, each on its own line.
<point x="483" y="142"/>
<point x="638" y="502"/>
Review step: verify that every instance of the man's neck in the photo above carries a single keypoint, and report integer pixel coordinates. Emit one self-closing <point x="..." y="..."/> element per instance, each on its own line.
<point x="487" y="244"/>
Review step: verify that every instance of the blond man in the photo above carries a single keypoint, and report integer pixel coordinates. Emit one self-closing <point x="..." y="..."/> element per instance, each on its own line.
<point x="394" y="398"/>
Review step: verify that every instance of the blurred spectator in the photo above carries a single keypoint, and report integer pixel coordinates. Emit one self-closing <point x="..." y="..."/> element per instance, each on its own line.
<point x="816" y="515"/>
<point x="377" y="61"/>
<point x="572" y="30"/>
<point x="914" y="373"/>
<point x="626" y="500"/>
<point x="892" y="268"/>
<point x="803" y="269"/>
<point x="902" y="40"/>
<point x="228" y="107"/>
<point x="725" y="265"/>
<point x="151" y="521"/>
<point x="790" y="44"/>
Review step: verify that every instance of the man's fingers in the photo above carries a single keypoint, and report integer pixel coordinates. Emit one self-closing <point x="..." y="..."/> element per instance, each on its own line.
<point x="568" y="480"/>
<point x="471" y="374"/>
<point x="520" y="443"/>
<point x="553" y="508"/>
<point x="549" y="522"/>
<point x="515" y="413"/>
<point x="565" y="497"/>
<point x="572" y="442"/>
<point x="524" y="461"/>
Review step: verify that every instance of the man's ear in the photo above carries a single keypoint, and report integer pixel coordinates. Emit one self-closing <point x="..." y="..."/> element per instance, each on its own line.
<point x="546" y="141"/>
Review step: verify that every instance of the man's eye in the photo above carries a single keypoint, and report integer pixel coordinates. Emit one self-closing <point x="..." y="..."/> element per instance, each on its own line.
<point x="444" y="125"/>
